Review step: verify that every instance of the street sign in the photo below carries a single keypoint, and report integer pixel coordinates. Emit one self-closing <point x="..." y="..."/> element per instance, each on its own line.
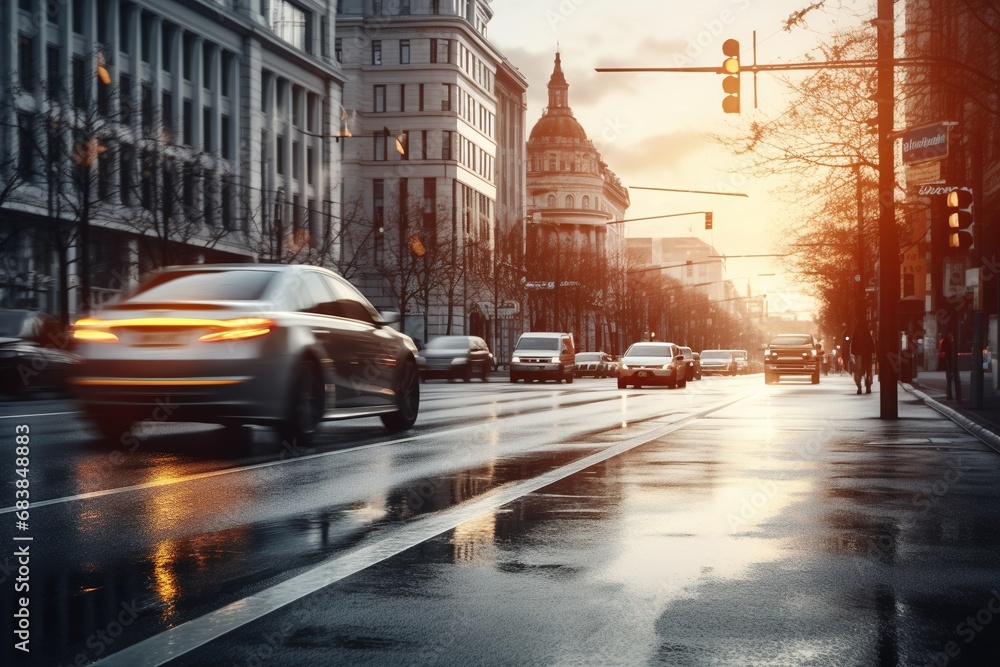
<point x="925" y="143"/>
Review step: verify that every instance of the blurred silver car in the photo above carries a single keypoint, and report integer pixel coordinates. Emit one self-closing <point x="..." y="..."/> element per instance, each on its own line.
<point x="455" y="357"/>
<point x="235" y="344"/>
<point x="595" y="364"/>
<point x="652" y="363"/>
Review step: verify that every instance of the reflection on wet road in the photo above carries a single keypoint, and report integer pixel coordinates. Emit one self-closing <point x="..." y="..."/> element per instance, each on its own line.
<point x="729" y="523"/>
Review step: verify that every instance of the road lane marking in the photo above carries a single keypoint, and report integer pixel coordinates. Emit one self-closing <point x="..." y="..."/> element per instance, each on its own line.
<point x="266" y="464"/>
<point x="41" y="414"/>
<point x="181" y="639"/>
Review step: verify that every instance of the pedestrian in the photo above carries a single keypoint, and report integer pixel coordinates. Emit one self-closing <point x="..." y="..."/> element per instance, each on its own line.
<point x="945" y="349"/>
<point x="862" y="349"/>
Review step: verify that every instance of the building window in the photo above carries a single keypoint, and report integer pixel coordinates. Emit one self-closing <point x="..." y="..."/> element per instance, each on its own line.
<point x="79" y="82"/>
<point x="227" y="142"/>
<point x="435" y="6"/>
<point x="420" y="98"/>
<point x="310" y="165"/>
<point x="404" y="52"/>
<point x="188" y="56"/>
<point x="569" y="201"/>
<point x="446" y="143"/>
<point x="146" y="106"/>
<point x="226" y="202"/>
<point x="280" y="155"/>
<point x="378" y="215"/>
<point x="379" y="99"/>
<point x="402" y="97"/>
<point x="188" y="121"/>
<point x="53" y="62"/>
<point x="288" y="22"/>
<point x="423" y="145"/>
<point x="338" y="49"/>
<point x="381" y="140"/>
<point x="208" y="142"/>
<point x="146" y="35"/>
<point x="376" y="52"/>
<point x="167" y="111"/>
<point x="551" y="202"/>
<point x="26" y="166"/>
<point x="78" y="23"/>
<point x="552" y="163"/>
<point x="440" y="51"/>
<point x="296" y="160"/>
<point x="126" y="173"/>
<point x="586" y="201"/>
<point x="226" y="79"/>
<point x="446" y="97"/>
<point x="404" y="6"/>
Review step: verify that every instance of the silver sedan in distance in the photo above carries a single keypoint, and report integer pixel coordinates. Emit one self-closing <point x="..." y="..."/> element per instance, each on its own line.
<point x="278" y="345"/>
<point x="652" y="363"/>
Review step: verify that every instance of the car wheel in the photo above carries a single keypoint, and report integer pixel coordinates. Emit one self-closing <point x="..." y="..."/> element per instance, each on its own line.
<point x="622" y="384"/>
<point x="514" y="378"/>
<point x="305" y="407"/>
<point x="569" y="379"/>
<point x="485" y="375"/>
<point x="680" y="384"/>
<point x="467" y="375"/>
<point x="815" y="377"/>
<point x="407" y="400"/>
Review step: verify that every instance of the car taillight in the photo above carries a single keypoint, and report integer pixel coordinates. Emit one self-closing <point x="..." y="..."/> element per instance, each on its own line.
<point x="239" y="329"/>
<point x="93" y="331"/>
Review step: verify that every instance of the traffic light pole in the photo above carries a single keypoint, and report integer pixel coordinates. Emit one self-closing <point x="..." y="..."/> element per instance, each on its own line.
<point x="888" y="334"/>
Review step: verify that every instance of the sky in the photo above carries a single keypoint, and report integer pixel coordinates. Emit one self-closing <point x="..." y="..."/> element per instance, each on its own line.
<point x="653" y="129"/>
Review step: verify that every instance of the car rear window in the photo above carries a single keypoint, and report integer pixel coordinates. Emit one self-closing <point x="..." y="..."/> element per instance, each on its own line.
<point x="449" y="343"/>
<point x="588" y="356"/>
<point x="715" y="354"/>
<point x="228" y="285"/>
<point x="537" y="343"/>
<point x="649" y="350"/>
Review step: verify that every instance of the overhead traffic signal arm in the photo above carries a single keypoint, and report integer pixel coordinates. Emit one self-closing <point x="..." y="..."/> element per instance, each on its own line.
<point x="960" y="221"/>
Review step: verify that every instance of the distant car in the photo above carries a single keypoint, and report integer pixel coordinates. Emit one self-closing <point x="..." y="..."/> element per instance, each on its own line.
<point x="792" y="354"/>
<point x="693" y="362"/>
<point x="594" y="364"/>
<point x="233" y="344"/>
<point x="652" y="363"/>
<point x="543" y="355"/>
<point x="718" y="362"/>
<point x="455" y="358"/>
<point x="32" y="357"/>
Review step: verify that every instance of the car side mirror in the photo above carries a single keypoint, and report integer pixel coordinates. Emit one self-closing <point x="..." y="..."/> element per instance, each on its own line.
<point x="681" y="357"/>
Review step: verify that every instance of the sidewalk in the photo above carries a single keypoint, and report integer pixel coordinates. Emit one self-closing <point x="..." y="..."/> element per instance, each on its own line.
<point x="932" y="385"/>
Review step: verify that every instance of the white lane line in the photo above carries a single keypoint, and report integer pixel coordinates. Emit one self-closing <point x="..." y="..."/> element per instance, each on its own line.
<point x="160" y="649"/>
<point x="41" y="414"/>
<point x="256" y="466"/>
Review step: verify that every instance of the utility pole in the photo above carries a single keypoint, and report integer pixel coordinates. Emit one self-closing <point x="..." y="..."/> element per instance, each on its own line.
<point x="888" y="333"/>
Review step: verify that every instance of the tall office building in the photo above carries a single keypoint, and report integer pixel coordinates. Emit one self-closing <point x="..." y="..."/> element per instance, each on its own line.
<point x="429" y="168"/>
<point x="138" y="133"/>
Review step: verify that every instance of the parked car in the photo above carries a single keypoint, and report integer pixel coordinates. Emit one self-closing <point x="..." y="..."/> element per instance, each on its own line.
<point x="543" y="355"/>
<point x="32" y="354"/>
<point x="792" y="354"/>
<point x="718" y="362"/>
<point x="455" y="357"/>
<point x="594" y="364"/>
<point x="693" y="362"/>
<point x="652" y="363"/>
<point x="239" y="344"/>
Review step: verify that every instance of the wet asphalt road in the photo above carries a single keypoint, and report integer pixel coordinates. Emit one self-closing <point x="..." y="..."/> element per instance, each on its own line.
<point x="728" y="523"/>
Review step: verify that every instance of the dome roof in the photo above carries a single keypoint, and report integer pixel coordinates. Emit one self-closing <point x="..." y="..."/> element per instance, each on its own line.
<point x="557" y="121"/>
<point x="557" y="126"/>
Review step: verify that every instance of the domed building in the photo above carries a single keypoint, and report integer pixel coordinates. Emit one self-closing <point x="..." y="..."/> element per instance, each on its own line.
<point x="572" y="196"/>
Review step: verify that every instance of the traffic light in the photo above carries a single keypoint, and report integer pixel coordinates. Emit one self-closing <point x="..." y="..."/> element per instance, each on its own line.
<point x="731" y="84"/>
<point x="708" y="220"/>
<point x="960" y="219"/>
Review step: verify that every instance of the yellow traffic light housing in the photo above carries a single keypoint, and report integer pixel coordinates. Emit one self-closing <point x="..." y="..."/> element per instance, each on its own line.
<point x="731" y="84"/>
<point x="960" y="219"/>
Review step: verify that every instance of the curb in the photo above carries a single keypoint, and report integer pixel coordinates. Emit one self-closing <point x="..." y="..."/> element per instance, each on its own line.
<point x="986" y="436"/>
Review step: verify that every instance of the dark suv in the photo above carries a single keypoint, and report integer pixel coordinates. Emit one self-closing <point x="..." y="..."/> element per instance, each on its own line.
<point x="792" y="354"/>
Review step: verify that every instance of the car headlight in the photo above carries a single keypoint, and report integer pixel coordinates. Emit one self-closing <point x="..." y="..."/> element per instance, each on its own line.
<point x="624" y="367"/>
<point x="666" y="367"/>
<point x="554" y="360"/>
<point x="813" y="352"/>
<point x="515" y="359"/>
